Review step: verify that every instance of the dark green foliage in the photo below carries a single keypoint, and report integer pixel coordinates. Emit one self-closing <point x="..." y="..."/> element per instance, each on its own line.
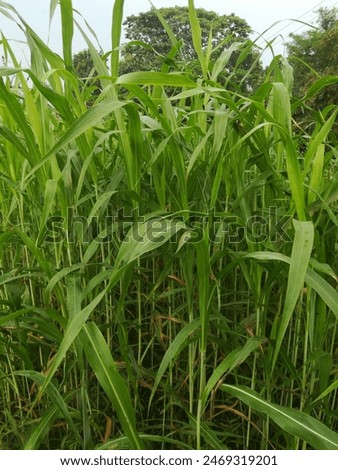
<point x="313" y="55"/>
<point x="151" y="44"/>
<point x="83" y="66"/>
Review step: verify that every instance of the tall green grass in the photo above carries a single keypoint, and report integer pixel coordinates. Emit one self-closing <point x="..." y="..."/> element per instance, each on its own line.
<point x="167" y="256"/>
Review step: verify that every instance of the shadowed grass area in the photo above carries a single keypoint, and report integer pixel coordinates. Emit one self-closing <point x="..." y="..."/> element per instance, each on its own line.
<point x="167" y="256"/>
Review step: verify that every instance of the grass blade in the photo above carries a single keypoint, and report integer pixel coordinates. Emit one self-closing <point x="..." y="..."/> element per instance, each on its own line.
<point x="41" y="429"/>
<point x="329" y="389"/>
<point x="177" y="345"/>
<point x="300" y="257"/>
<point x="102" y="363"/>
<point x="67" y="31"/>
<point x="53" y="393"/>
<point x="85" y="122"/>
<point x="116" y="36"/>
<point x="314" y="280"/>
<point x="155" y="78"/>
<point x="145" y="237"/>
<point x="292" y="421"/>
<point x="197" y="37"/>
<point x="231" y="361"/>
<point x="72" y="330"/>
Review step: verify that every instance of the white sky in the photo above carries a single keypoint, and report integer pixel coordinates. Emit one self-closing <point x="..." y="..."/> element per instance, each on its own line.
<point x="259" y="14"/>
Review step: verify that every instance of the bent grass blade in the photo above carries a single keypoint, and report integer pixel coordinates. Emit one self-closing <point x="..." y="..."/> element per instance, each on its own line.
<point x="292" y="421"/>
<point x="105" y="369"/>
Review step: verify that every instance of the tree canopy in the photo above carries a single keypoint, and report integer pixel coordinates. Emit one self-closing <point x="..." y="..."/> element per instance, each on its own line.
<point x="313" y="54"/>
<point x="84" y="69"/>
<point x="83" y="64"/>
<point x="150" y="42"/>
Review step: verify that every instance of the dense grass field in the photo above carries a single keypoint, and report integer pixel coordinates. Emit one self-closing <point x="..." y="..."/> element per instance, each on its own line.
<point x="168" y="255"/>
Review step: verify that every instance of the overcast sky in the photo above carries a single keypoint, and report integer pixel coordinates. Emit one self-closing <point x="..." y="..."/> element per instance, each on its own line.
<point x="259" y="14"/>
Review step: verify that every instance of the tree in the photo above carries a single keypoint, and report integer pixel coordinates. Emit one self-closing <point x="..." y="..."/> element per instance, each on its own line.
<point x="83" y="64"/>
<point x="84" y="69"/>
<point x="151" y="44"/>
<point x="313" y="55"/>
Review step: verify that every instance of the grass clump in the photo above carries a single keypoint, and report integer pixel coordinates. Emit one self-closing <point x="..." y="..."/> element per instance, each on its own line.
<point x="167" y="257"/>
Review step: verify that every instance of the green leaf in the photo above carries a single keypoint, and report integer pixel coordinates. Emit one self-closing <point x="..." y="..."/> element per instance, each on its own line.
<point x="176" y="346"/>
<point x="314" y="280"/>
<point x="317" y="173"/>
<point x="203" y="274"/>
<point x="57" y="277"/>
<point x="145" y="237"/>
<point x="14" y="139"/>
<point x="5" y="71"/>
<point x="116" y="36"/>
<point x="41" y="429"/>
<point x="67" y="31"/>
<point x="300" y="257"/>
<point x="223" y="59"/>
<point x="18" y="115"/>
<point x="197" y="37"/>
<point x="155" y="78"/>
<point x="318" y="140"/>
<point x="231" y="361"/>
<point x="329" y="389"/>
<point x="54" y="395"/>
<point x="39" y="254"/>
<point x="81" y="125"/>
<point x="294" y="176"/>
<point x="323" y="82"/>
<point x="165" y="25"/>
<point x="324" y="289"/>
<point x="292" y="421"/>
<point x="104" y="367"/>
<point x="49" y="201"/>
<point x="72" y="330"/>
<point x="52" y="8"/>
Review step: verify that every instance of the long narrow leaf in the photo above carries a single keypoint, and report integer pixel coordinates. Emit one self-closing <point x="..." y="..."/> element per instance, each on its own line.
<point x="197" y="36"/>
<point x="176" y="346"/>
<point x="292" y="421"/>
<point x="231" y="361"/>
<point x="104" y="367"/>
<point x="53" y="393"/>
<point x="155" y="78"/>
<point x="300" y="257"/>
<point x="67" y="31"/>
<point x="116" y="36"/>
<point x="86" y="121"/>
<point x="314" y="280"/>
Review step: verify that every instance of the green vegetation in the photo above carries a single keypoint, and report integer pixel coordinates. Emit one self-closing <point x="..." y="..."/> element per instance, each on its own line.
<point x="145" y="51"/>
<point x="167" y="261"/>
<point x="313" y="55"/>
